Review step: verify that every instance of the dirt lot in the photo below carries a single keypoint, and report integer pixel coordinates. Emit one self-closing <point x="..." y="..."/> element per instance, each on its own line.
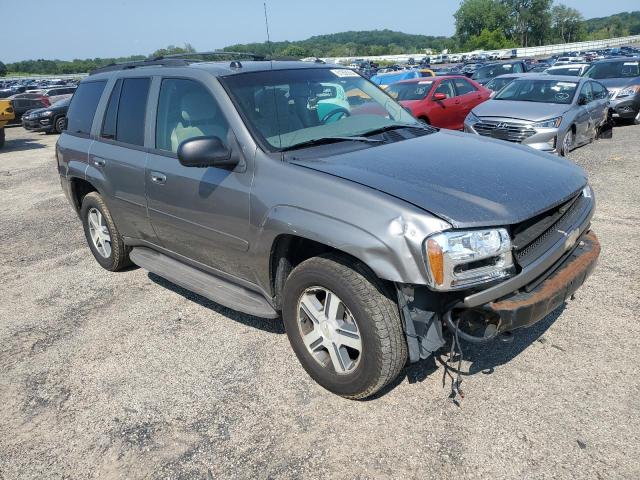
<point x="124" y="375"/>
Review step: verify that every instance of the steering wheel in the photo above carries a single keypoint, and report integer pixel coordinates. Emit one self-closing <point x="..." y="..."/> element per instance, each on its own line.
<point x="338" y="111"/>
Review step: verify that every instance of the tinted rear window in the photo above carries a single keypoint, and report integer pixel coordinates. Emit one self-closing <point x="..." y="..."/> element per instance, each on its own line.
<point x="131" y="110"/>
<point x="83" y="107"/>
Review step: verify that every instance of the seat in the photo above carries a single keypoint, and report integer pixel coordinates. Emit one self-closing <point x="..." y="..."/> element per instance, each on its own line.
<point x="274" y="113"/>
<point x="199" y="117"/>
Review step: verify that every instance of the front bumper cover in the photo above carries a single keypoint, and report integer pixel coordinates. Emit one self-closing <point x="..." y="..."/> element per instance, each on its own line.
<point x="532" y="304"/>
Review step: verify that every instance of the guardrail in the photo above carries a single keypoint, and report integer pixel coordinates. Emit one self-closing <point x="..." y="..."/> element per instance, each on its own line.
<point x="520" y="52"/>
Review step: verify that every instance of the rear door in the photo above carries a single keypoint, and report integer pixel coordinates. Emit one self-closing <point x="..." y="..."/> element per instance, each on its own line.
<point x="583" y="118"/>
<point x="198" y="213"/>
<point x="469" y="97"/>
<point x="118" y="156"/>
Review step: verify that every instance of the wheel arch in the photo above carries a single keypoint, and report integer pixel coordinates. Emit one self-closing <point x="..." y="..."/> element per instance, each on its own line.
<point x="79" y="188"/>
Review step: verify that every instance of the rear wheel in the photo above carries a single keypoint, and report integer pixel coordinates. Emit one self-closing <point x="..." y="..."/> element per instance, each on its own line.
<point x="103" y="237"/>
<point x="343" y="326"/>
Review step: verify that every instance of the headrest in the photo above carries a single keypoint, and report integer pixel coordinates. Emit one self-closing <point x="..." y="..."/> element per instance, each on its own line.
<point x="198" y="106"/>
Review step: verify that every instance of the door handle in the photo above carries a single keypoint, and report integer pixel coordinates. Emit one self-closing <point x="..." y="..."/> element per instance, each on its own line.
<point x="159" y="178"/>
<point x="99" y="162"/>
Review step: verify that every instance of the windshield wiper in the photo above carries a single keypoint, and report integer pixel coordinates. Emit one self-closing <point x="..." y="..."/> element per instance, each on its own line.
<point x="327" y="140"/>
<point x="396" y="126"/>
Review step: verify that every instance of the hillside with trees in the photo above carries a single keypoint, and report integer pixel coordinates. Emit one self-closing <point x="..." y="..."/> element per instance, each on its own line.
<point x="480" y="25"/>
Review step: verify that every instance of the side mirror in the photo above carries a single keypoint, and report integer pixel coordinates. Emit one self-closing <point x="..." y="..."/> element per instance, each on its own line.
<point x="438" y="97"/>
<point x="582" y="100"/>
<point x="206" y="152"/>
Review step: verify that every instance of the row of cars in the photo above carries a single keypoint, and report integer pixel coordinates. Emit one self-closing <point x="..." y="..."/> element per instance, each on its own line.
<point x="547" y="111"/>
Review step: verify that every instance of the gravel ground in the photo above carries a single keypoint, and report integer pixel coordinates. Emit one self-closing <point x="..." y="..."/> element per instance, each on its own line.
<point x="123" y="375"/>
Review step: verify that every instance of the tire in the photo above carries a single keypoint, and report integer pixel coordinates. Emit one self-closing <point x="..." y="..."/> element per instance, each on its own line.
<point x="59" y="124"/>
<point x="383" y="351"/>
<point x="116" y="256"/>
<point x="567" y="143"/>
<point x="424" y="120"/>
<point x="636" y="119"/>
<point x="1" y="137"/>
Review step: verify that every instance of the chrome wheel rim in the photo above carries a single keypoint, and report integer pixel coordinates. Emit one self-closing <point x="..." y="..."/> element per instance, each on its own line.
<point x="99" y="232"/>
<point x="329" y="331"/>
<point x="60" y="125"/>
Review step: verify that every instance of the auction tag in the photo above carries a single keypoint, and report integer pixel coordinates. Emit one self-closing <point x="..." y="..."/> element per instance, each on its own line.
<point x="343" y="72"/>
<point x="631" y="63"/>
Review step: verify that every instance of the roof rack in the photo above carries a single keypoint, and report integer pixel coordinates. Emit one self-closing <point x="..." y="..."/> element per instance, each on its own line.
<point x="175" y="60"/>
<point x="216" y="53"/>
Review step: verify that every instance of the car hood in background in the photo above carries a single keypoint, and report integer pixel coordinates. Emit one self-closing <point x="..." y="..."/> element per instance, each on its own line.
<point x="531" y="111"/>
<point x="467" y="180"/>
<point x="615" y="84"/>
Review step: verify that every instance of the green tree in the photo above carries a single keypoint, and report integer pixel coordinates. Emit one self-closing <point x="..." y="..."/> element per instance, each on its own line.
<point x="3" y="69"/>
<point x="489" y="40"/>
<point x="530" y="20"/>
<point x="567" y="24"/>
<point x="173" y="50"/>
<point x="474" y="16"/>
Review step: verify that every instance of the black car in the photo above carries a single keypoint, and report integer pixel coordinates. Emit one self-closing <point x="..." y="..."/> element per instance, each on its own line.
<point x="50" y="119"/>
<point x="483" y="74"/>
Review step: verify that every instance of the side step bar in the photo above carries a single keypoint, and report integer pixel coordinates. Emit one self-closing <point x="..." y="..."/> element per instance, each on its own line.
<point x="209" y="286"/>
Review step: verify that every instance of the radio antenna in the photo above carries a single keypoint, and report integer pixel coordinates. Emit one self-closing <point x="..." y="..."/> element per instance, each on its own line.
<point x="266" y="23"/>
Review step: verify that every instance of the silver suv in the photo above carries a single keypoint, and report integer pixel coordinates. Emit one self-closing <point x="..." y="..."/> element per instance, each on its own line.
<point x="303" y="191"/>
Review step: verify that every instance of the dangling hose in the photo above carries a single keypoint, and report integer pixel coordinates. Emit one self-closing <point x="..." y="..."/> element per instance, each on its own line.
<point x="455" y="329"/>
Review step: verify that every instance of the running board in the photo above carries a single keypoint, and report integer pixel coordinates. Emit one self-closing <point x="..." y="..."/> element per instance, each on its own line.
<point x="209" y="286"/>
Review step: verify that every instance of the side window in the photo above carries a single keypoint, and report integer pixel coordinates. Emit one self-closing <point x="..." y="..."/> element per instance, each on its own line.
<point x="599" y="91"/>
<point x="517" y="68"/>
<point x="446" y="87"/>
<point x="111" y="115"/>
<point x="83" y="107"/>
<point x="463" y="86"/>
<point x="131" y="110"/>
<point x="187" y="110"/>
<point x="586" y="92"/>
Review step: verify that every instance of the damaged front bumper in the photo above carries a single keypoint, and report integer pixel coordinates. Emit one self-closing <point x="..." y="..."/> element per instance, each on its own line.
<point x="483" y="316"/>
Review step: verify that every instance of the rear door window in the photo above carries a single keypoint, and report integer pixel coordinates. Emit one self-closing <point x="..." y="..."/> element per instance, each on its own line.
<point x="463" y="86"/>
<point x="132" y="108"/>
<point x="111" y="115"/>
<point x="83" y="107"/>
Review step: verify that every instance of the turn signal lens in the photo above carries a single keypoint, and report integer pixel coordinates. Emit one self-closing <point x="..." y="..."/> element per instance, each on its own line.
<point x="436" y="261"/>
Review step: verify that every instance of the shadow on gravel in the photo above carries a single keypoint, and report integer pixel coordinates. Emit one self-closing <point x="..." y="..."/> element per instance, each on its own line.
<point x="265" y="324"/>
<point x="20" y="144"/>
<point x="483" y="358"/>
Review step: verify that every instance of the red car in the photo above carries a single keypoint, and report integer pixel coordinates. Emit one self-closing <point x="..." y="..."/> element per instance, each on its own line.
<point x="443" y="102"/>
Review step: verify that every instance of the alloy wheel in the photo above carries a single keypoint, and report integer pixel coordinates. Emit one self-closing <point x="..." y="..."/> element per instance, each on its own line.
<point x="99" y="232"/>
<point x="329" y="330"/>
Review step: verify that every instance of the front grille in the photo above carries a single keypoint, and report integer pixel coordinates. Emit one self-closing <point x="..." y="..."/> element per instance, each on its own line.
<point x="526" y="254"/>
<point x="510" y="131"/>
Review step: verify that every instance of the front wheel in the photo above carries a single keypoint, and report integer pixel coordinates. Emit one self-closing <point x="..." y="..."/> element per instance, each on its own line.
<point x="1" y="137"/>
<point x="343" y="326"/>
<point x="59" y="125"/>
<point x="567" y="143"/>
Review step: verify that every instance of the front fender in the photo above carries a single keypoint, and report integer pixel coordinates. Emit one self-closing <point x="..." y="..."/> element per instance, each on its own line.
<point x="394" y="254"/>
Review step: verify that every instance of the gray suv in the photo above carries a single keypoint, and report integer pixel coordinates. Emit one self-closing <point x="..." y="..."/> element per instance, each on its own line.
<point x="303" y="191"/>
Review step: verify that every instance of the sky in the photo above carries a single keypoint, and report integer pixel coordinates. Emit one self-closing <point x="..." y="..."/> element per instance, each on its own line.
<point x="68" y="29"/>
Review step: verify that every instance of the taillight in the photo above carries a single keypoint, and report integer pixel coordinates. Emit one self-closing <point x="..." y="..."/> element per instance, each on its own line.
<point x="45" y="101"/>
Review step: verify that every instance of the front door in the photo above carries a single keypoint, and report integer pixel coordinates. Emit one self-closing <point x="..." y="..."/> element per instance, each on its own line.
<point x="445" y="112"/>
<point x="198" y="213"/>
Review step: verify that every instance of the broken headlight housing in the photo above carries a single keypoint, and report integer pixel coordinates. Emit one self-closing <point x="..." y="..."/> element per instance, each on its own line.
<point x="462" y="259"/>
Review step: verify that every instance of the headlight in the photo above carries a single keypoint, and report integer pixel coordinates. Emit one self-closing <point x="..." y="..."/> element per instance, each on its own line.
<point x="551" y="123"/>
<point x="459" y="259"/>
<point x="629" y="91"/>
<point x="46" y="113"/>
<point x="472" y="118"/>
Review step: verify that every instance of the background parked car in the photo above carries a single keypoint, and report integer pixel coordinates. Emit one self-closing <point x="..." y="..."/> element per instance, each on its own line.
<point x="23" y="102"/>
<point x="549" y="113"/>
<point x="383" y="80"/>
<point x="58" y="93"/>
<point x="443" y="102"/>
<point x="485" y="73"/>
<point x="6" y="115"/>
<point x="498" y="83"/>
<point x="621" y="76"/>
<point x="50" y="119"/>
<point x="570" y="69"/>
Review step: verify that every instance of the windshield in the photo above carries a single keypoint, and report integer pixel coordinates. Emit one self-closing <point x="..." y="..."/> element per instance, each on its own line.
<point x="604" y="70"/>
<point x="290" y="107"/>
<point x="491" y="71"/>
<point x="570" y="71"/>
<point x="541" y="91"/>
<point x="410" y="91"/>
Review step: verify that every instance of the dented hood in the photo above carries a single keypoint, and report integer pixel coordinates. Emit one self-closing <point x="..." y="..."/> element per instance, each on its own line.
<point x="467" y="180"/>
